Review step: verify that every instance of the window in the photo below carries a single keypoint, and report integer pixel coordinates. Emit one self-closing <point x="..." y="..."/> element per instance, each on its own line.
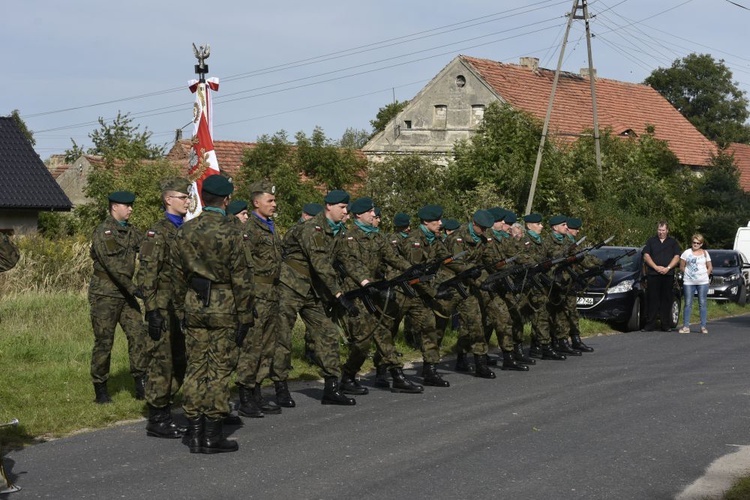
<point x="407" y="124"/>
<point x="460" y="81"/>
<point x="477" y="113"/>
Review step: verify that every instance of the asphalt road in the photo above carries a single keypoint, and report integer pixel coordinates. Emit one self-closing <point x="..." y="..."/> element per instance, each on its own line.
<point x="641" y="418"/>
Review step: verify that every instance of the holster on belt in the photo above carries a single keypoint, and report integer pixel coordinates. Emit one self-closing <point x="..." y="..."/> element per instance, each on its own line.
<point x="202" y="287"/>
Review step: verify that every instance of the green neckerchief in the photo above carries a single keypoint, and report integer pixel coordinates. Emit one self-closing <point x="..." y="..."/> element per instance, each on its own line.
<point x="571" y="237"/>
<point x="534" y="236"/>
<point x="215" y="209"/>
<point x="428" y="234"/>
<point x="404" y="234"/>
<point x="336" y="226"/>
<point x="474" y="236"/>
<point x="122" y="223"/>
<point x="367" y="228"/>
<point x="500" y="235"/>
<point x="558" y="236"/>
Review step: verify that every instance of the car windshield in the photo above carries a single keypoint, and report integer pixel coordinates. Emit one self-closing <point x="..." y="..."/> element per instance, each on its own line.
<point x="721" y="258"/>
<point x="629" y="263"/>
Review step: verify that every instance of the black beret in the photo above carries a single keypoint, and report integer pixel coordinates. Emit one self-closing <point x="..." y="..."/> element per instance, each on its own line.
<point x="510" y="217"/>
<point x="497" y="212"/>
<point x="177" y="184"/>
<point x="532" y="218"/>
<point x="557" y="219"/>
<point x="362" y="205"/>
<point x="574" y="223"/>
<point x="336" y="196"/>
<point x="451" y="224"/>
<point x="218" y="185"/>
<point x="401" y="220"/>
<point x="377" y="212"/>
<point x="430" y="212"/>
<point x="263" y="186"/>
<point x="124" y="197"/>
<point x="312" y="208"/>
<point x="236" y="206"/>
<point x="484" y="218"/>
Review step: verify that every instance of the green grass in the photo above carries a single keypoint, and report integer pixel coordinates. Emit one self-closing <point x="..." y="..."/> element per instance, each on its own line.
<point x="739" y="491"/>
<point x="45" y="349"/>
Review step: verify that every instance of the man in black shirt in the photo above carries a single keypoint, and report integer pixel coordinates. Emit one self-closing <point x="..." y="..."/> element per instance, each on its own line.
<point x="661" y="254"/>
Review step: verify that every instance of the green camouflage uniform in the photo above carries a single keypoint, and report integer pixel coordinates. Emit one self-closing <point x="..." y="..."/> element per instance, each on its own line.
<point x="210" y="247"/>
<point x="8" y="253"/>
<point x="557" y="303"/>
<point x="257" y="352"/>
<point x="495" y="305"/>
<point x="308" y="287"/>
<point x="166" y="356"/>
<point x="536" y="250"/>
<point x="362" y="256"/>
<point x="114" y="249"/>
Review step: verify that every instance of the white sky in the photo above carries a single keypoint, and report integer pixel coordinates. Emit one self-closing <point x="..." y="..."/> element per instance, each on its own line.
<point x="293" y="65"/>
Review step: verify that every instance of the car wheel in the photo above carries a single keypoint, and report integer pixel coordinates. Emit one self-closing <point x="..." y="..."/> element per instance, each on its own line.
<point x="634" y="323"/>
<point x="742" y="296"/>
<point x="676" y="305"/>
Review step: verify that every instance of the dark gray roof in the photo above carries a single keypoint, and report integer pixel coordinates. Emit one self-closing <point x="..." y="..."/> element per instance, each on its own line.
<point x="25" y="181"/>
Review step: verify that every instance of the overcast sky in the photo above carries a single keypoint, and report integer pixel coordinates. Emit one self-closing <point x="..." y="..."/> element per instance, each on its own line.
<point x="293" y="65"/>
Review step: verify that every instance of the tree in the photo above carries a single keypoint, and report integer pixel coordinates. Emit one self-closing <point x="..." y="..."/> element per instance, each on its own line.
<point x="353" y="138"/>
<point x="321" y="159"/>
<point x="703" y="91"/>
<point x="16" y="115"/>
<point x="385" y="115"/>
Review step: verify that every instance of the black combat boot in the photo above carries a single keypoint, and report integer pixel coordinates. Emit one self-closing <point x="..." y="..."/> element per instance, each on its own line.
<point x="578" y="344"/>
<point x="480" y="361"/>
<point x="562" y="346"/>
<point x="381" y="377"/>
<point x="283" y="396"/>
<point x="535" y="349"/>
<point x="492" y="361"/>
<point x="248" y="406"/>
<point x="510" y="363"/>
<point x="140" y="388"/>
<point x="161" y="425"/>
<point x="350" y="385"/>
<point x="332" y="394"/>
<point x="549" y="353"/>
<point x="195" y="434"/>
<point x="431" y="377"/>
<point x="520" y="356"/>
<point x="213" y="438"/>
<point x="101" y="394"/>
<point x="462" y="364"/>
<point x="266" y="406"/>
<point x="402" y="384"/>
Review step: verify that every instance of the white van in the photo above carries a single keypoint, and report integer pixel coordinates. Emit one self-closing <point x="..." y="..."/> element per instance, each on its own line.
<point x="742" y="240"/>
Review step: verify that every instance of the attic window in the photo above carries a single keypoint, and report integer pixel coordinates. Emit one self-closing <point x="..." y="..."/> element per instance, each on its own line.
<point x="628" y="133"/>
<point x="407" y="124"/>
<point x="460" y="81"/>
<point x="477" y="113"/>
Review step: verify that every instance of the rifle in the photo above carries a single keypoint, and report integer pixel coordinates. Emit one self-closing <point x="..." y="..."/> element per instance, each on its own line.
<point x="501" y="279"/>
<point x="561" y="263"/>
<point x="611" y="264"/>
<point x="458" y="282"/>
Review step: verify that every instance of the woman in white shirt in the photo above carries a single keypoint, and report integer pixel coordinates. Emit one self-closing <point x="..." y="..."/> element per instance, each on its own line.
<point x="695" y="264"/>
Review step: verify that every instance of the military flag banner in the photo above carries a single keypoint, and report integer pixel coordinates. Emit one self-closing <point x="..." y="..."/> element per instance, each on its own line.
<point x="202" y="161"/>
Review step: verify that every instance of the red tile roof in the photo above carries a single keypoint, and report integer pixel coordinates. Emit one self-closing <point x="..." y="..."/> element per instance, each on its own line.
<point x="741" y="154"/>
<point x="620" y="105"/>
<point x="228" y="153"/>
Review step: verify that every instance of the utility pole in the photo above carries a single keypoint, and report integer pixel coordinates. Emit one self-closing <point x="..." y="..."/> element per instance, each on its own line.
<point x="583" y="6"/>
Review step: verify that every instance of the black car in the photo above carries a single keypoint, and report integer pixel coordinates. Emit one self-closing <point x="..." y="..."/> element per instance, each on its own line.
<point x="731" y="276"/>
<point x="619" y="296"/>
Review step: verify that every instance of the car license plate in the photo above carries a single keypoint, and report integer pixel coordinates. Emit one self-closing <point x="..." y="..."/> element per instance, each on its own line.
<point x="585" y="301"/>
<point x="710" y="291"/>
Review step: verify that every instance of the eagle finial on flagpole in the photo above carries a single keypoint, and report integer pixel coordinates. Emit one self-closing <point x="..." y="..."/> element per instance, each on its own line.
<point x="201" y="53"/>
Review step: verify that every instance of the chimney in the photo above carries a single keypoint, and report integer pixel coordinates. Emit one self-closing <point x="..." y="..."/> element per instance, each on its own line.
<point x="585" y="72"/>
<point x="530" y="62"/>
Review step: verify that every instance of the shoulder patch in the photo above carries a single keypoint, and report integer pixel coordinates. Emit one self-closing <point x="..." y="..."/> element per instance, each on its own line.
<point x="318" y="228"/>
<point x="416" y="244"/>
<point x="245" y="236"/>
<point x="527" y="243"/>
<point x="459" y="240"/>
<point x="108" y="232"/>
<point x="350" y="238"/>
<point x="150" y="234"/>
<point x="394" y="241"/>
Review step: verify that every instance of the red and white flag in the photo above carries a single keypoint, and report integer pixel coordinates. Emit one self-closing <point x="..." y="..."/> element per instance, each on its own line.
<point x="202" y="161"/>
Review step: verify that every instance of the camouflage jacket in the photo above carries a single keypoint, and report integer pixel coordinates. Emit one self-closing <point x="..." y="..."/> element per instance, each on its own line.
<point x="461" y="240"/>
<point x="8" y="253"/>
<point x="114" y="249"/>
<point x="363" y="255"/>
<point x="210" y="247"/>
<point x="155" y="271"/>
<point x="266" y="251"/>
<point x="417" y="249"/>
<point x="308" y="258"/>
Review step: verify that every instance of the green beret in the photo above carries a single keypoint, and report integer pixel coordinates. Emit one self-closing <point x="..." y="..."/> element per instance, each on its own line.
<point x="312" y="208"/>
<point x="532" y="218"/>
<point x="377" y="212"/>
<point x="574" y="223"/>
<point x="484" y="218"/>
<point x="236" y="206"/>
<point x="451" y="224"/>
<point x="557" y="219"/>
<point x="362" y="205"/>
<point x="263" y="186"/>
<point x="124" y="197"/>
<point x="336" y="196"/>
<point x="497" y="212"/>
<point x="401" y="220"/>
<point x="218" y="185"/>
<point x="510" y="217"/>
<point x="177" y="184"/>
<point x="430" y="212"/>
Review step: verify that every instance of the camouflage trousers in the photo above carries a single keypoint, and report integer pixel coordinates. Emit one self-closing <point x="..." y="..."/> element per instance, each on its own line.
<point x="166" y="363"/>
<point x="362" y="331"/>
<point x="106" y="313"/>
<point x="496" y="317"/>
<point x="257" y="352"/>
<point x="212" y="356"/>
<point x="564" y="317"/>
<point x="471" y="335"/>
<point x="421" y="320"/>
<point x="319" y="323"/>
<point x="536" y="308"/>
